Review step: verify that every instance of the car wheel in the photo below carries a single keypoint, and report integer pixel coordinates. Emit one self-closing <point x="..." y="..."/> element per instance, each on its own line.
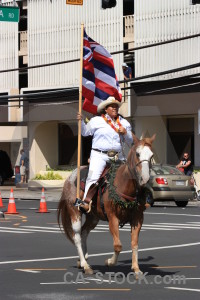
<point x="181" y="203"/>
<point x="148" y="197"/>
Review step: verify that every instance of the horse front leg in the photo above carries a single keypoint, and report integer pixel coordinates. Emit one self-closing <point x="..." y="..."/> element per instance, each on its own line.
<point x="76" y="226"/>
<point x="114" y="229"/>
<point x="136" y="225"/>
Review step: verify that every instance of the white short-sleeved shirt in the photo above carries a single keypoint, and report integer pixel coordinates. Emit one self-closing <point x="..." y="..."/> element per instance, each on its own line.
<point x="105" y="138"/>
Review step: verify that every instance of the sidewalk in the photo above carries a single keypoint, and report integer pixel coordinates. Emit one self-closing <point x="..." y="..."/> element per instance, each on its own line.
<point x="23" y="193"/>
<point x="53" y="195"/>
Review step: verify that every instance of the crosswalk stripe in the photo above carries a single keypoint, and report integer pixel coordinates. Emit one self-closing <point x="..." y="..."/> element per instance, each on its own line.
<point x="179" y="224"/>
<point x="104" y="228"/>
<point x="11" y="231"/>
<point x="40" y="227"/>
<point x="27" y="230"/>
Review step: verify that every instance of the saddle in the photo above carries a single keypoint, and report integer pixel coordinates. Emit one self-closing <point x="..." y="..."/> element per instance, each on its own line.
<point x="100" y="184"/>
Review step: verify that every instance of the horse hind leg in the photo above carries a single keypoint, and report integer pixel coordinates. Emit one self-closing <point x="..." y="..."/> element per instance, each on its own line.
<point x="90" y="223"/>
<point x="76" y="226"/>
<point x="114" y="229"/>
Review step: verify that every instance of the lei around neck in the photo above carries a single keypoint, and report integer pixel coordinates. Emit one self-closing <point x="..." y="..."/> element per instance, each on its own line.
<point x="115" y="125"/>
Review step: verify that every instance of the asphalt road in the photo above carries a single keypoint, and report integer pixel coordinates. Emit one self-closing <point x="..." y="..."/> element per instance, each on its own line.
<point x="38" y="262"/>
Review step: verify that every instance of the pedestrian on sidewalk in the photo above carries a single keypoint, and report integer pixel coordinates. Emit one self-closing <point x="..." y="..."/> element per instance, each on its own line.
<point x="23" y="166"/>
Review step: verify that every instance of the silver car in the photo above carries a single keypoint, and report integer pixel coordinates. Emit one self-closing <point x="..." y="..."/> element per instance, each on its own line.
<point x="168" y="183"/>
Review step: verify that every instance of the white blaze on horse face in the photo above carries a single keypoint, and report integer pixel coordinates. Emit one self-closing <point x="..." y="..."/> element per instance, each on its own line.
<point x="145" y="155"/>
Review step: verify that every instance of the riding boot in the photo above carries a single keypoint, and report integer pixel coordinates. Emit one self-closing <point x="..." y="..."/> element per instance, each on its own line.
<point x="86" y="204"/>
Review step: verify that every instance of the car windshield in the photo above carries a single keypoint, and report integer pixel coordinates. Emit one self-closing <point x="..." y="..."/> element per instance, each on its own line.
<point x="166" y="170"/>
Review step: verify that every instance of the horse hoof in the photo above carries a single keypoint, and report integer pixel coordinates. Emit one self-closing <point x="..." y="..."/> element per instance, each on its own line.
<point x="109" y="263"/>
<point x="106" y="262"/>
<point x="78" y="264"/>
<point x="88" y="271"/>
<point x="138" y="274"/>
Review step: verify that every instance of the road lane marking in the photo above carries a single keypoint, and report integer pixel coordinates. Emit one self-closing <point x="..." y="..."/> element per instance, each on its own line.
<point x="121" y="290"/>
<point x="98" y="254"/>
<point x="28" y="230"/>
<point x="170" y="214"/>
<point x="180" y="224"/>
<point x="183" y="289"/>
<point x="40" y="227"/>
<point x="14" y="231"/>
<point x="170" y="226"/>
<point x="28" y="271"/>
<point x="173" y="267"/>
<point x="38" y="270"/>
<point x="63" y="282"/>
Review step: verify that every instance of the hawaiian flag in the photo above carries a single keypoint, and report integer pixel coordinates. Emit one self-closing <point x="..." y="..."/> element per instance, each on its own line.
<point x="99" y="78"/>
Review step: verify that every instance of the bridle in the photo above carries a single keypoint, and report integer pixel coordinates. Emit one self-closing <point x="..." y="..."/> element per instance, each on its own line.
<point x="134" y="172"/>
<point x="135" y="175"/>
<point x="141" y="161"/>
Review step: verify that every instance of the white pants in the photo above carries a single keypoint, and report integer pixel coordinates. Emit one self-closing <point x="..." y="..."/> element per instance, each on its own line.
<point x="97" y="165"/>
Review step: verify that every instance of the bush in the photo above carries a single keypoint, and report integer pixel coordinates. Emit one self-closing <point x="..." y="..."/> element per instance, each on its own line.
<point x="48" y="176"/>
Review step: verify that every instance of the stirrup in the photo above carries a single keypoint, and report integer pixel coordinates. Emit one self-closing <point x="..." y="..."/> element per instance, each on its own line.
<point x="82" y="209"/>
<point x="78" y="202"/>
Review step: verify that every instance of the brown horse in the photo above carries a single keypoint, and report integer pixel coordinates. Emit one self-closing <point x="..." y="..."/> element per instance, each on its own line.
<point x="127" y="181"/>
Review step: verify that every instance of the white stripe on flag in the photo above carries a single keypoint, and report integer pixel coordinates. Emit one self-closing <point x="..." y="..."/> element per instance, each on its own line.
<point x="89" y="85"/>
<point x="97" y="101"/>
<point x="105" y="78"/>
<point x="101" y="50"/>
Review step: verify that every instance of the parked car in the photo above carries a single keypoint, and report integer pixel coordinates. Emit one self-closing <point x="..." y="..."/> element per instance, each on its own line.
<point x="6" y="170"/>
<point x="168" y="183"/>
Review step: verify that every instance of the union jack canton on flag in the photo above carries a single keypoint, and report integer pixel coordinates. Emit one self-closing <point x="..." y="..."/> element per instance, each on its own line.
<point x="99" y="78"/>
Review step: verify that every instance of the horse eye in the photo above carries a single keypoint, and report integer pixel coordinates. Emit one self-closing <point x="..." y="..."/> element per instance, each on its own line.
<point x="137" y="154"/>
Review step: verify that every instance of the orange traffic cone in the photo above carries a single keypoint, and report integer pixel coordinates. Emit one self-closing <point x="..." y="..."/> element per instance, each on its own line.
<point x="11" y="204"/>
<point x="1" y="202"/>
<point x="43" y="204"/>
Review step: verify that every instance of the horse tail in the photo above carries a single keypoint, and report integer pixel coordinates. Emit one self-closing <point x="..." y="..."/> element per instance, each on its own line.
<point x="64" y="220"/>
<point x="66" y="211"/>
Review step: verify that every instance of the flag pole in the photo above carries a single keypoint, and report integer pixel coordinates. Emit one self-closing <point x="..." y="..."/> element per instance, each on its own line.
<point x="80" y="112"/>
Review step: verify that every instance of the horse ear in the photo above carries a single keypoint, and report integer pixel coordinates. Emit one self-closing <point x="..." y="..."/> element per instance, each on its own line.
<point x="142" y="136"/>
<point x="135" y="139"/>
<point x="153" y="138"/>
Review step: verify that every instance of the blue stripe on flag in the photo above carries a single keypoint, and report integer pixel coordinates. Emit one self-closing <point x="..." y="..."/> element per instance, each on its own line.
<point x="88" y="75"/>
<point x="86" y="51"/>
<point x="104" y="68"/>
<point x="101" y="94"/>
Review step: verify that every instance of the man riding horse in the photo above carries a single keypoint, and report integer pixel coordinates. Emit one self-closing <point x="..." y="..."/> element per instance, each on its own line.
<point x="120" y="202"/>
<point x="109" y="130"/>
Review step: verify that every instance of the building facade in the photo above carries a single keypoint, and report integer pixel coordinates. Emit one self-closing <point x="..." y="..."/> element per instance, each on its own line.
<point x="50" y="32"/>
<point x="168" y="105"/>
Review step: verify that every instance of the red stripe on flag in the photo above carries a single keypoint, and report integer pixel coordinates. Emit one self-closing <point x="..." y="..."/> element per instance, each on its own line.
<point x="107" y="88"/>
<point x="88" y="66"/>
<point x="86" y="43"/>
<point x="87" y="93"/>
<point x="106" y="60"/>
<point x="88" y="106"/>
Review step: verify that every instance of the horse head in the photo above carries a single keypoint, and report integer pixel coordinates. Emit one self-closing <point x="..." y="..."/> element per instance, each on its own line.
<point x="139" y="158"/>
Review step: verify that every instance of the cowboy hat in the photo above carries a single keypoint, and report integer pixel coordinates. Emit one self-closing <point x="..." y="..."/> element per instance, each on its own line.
<point x="109" y="101"/>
